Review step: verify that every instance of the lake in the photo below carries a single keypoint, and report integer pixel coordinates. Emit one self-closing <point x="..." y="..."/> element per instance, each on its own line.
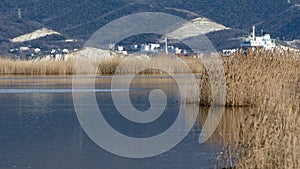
<point x="39" y="127"/>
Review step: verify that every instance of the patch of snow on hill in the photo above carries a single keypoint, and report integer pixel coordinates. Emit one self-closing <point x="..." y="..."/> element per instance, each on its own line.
<point x="34" y="35"/>
<point x="196" y="27"/>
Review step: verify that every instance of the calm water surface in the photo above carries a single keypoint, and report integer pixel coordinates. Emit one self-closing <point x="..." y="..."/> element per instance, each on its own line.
<point x="39" y="128"/>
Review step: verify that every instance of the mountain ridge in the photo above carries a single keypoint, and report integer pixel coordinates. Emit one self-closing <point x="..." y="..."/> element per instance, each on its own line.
<point x="80" y="19"/>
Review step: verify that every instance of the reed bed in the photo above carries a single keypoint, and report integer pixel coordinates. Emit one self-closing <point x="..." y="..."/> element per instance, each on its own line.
<point x="268" y="137"/>
<point x="252" y="78"/>
<point x="249" y="79"/>
<point x="162" y="64"/>
<point x="22" y="67"/>
<point x="105" y="67"/>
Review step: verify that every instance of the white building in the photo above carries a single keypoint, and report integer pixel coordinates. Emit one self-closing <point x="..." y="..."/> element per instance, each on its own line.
<point x="178" y="50"/>
<point x="37" y="50"/>
<point x="120" y="48"/>
<point x="53" y="51"/>
<point x="22" y="49"/>
<point x="145" y="48"/>
<point x="70" y="40"/>
<point x="154" y="46"/>
<point x="228" y="52"/>
<point x="65" y="51"/>
<point x="263" y="41"/>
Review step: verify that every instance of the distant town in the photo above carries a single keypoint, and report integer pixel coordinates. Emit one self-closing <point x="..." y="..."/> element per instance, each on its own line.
<point x="32" y="53"/>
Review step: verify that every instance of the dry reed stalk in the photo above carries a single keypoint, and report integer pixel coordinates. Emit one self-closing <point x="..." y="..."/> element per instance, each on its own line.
<point x="266" y="137"/>
<point x="251" y="78"/>
<point x="10" y="67"/>
<point x="269" y="138"/>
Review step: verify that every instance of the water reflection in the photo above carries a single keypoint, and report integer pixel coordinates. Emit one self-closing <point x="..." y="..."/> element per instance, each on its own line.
<point x="230" y="122"/>
<point x="41" y="130"/>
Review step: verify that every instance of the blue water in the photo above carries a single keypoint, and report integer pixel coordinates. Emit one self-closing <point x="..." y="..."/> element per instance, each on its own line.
<point x="39" y="128"/>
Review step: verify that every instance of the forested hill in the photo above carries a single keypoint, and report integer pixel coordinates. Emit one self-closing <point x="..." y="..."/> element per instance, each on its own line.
<point x="81" y="18"/>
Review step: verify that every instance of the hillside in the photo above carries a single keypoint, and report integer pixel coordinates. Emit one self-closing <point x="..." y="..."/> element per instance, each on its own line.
<point x="285" y="24"/>
<point x="188" y="30"/>
<point x="34" y="35"/>
<point x="80" y="19"/>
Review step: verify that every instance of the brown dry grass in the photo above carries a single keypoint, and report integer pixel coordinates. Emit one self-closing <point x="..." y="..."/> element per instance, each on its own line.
<point x="252" y="78"/>
<point x="249" y="79"/>
<point x="134" y="65"/>
<point x="267" y="137"/>
<point x="106" y="67"/>
<point x="11" y="67"/>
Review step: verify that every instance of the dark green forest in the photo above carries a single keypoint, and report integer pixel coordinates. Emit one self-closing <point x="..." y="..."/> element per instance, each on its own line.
<point x="80" y="19"/>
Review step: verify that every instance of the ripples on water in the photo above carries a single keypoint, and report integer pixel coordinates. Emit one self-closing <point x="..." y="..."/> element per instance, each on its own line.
<point x="39" y="128"/>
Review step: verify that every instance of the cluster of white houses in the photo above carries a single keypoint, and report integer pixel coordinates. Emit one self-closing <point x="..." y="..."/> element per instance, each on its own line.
<point x="32" y="52"/>
<point x="148" y="48"/>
